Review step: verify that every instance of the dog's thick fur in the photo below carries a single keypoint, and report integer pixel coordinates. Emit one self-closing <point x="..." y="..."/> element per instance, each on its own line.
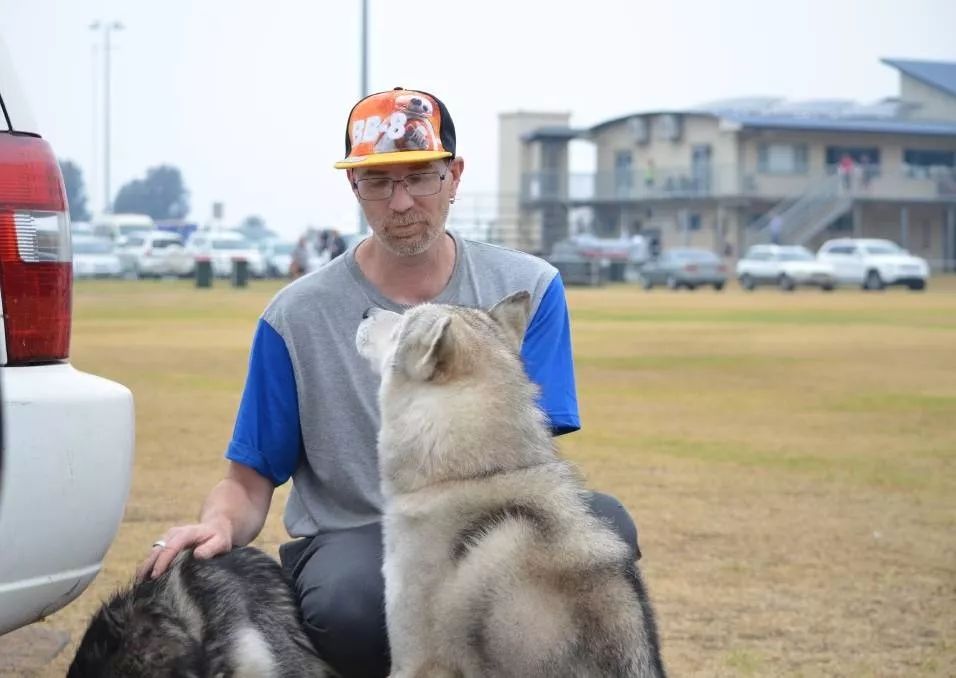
<point x="233" y="615"/>
<point x="493" y="564"/>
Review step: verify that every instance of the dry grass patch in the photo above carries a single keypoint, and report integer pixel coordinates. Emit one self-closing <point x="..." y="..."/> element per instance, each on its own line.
<point x="790" y="458"/>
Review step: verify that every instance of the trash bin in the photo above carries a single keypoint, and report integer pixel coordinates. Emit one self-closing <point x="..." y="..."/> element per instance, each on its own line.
<point x="240" y="272"/>
<point x="616" y="271"/>
<point x="577" y="270"/>
<point x="203" y="272"/>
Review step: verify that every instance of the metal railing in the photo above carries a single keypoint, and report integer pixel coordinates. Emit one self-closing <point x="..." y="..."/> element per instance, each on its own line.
<point x="795" y="221"/>
<point x="717" y="181"/>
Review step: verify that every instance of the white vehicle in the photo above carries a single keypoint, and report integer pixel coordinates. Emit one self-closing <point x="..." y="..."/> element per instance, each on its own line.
<point x="151" y="254"/>
<point x="787" y="266"/>
<point x="278" y="256"/>
<point x="83" y="228"/>
<point x="95" y="258"/>
<point x="874" y="263"/>
<point x="118" y="226"/>
<point x="222" y="248"/>
<point x="67" y="444"/>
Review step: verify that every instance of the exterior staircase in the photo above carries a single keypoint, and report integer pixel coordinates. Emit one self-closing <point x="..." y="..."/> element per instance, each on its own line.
<point x="803" y="217"/>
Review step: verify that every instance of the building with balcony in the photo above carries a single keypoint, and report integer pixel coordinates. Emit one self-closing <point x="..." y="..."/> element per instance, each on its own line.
<point x="730" y="174"/>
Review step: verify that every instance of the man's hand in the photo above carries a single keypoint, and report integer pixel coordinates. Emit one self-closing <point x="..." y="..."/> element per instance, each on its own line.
<point x="206" y="539"/>
<point x="232" y="515"/>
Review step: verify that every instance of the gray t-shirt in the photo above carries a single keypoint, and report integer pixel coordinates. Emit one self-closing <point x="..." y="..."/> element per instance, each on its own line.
<point x="309" y="409"/>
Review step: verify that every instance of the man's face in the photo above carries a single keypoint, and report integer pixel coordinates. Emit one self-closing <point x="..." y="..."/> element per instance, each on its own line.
<point x="407" y="223"/>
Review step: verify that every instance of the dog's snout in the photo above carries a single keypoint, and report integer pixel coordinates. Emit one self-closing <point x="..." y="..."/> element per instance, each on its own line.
<point x="367" y="312"/>
<point x="416" y="101"/>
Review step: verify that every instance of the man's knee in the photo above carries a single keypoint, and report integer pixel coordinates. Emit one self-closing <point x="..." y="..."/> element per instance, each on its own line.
<point x="345" y="610"/>
<point x="341" y="594"/>
<point x="612" y="511"/>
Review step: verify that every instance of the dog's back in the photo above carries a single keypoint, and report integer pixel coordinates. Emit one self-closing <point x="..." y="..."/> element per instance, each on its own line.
<point x="494" y="565"/>
<point x="233" y="615"/>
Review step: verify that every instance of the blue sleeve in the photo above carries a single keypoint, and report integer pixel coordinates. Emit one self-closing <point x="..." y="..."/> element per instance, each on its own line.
<point x="268" y="436"/>
<point x="546" y="352"/>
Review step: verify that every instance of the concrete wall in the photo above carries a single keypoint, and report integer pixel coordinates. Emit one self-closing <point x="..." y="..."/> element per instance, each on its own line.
<point x="892" y="183"/>
<point x="932" y="103"/>
<point x="515" y="158"/>
<point x="667" y="155"/>
<point x="926" y="231"/>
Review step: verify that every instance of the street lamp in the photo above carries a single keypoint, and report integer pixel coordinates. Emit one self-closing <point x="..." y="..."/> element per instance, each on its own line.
<point x="363" y="223"/>
<point x="107" y="27"/>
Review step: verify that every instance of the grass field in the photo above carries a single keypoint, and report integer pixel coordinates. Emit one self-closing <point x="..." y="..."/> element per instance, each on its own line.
<point x="790" y="459"/>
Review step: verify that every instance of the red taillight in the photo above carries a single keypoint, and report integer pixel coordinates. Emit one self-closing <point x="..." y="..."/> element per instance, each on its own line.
<point x="36" y="273"/>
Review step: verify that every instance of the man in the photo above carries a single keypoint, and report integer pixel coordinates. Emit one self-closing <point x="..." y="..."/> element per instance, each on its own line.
<point x="309" y="408"/>
<point x="776" y="228"/>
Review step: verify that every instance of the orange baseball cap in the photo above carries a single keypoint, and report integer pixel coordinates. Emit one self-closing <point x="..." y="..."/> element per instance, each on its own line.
<point x="397" y="126"/>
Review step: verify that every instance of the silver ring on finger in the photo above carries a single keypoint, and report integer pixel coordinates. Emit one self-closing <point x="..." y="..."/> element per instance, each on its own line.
<point x="160" y="543"/>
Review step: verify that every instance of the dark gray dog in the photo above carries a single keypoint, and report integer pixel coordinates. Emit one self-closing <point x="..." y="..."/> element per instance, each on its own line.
<point x="233" y="615"/>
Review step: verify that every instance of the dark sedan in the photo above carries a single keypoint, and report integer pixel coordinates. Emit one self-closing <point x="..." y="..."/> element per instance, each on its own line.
<point x="684" y="267"/>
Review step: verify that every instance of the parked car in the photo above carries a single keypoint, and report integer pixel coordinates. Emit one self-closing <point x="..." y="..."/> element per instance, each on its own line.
<point x="151" y="254"/>
<point x="874" y="263"/>
<point x="278" y="256"/>
<point x="787" y="266"/>
<point x="81" y="228"/>
<point x="95" y="258"/>
<point x="67" y="444"/>
<point x="119" y="226"/>
<point x="222" y="248"/>
<point x="684" y="267"/>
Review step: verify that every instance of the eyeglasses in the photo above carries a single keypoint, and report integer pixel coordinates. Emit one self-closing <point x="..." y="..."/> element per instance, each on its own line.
<point x="417" y="185"/>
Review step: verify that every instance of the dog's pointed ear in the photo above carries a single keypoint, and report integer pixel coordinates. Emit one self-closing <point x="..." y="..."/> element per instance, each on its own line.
<point x="438" y="341"/>
<point x="512" y="314"/>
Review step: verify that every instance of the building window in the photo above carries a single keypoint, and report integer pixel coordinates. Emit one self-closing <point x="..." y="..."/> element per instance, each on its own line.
<point x="866" y="157"/>
<point x="782" y="158"/>
<point x="623" y="174"/>
<point x="922" y="164"/>
<point x="552" y="154"/>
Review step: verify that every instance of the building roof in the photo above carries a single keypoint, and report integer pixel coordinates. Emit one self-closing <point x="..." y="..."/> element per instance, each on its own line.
<point x="560" y="133"/>
<point x="874" y="125"/>
<point x="938" y="74"/>
<point x="887" y="116"/>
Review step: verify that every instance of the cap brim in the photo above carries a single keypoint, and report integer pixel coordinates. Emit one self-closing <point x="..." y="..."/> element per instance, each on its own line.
<point x="395" y="158"/>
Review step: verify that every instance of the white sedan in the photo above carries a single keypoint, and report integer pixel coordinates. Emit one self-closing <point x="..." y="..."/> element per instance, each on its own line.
<point x="786" y="266"/>
<point x="222" y="249"/>
<point x="95" y="258"/>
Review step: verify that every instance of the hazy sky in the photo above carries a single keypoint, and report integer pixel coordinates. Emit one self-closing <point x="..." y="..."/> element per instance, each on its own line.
<point x="249" y="99"/>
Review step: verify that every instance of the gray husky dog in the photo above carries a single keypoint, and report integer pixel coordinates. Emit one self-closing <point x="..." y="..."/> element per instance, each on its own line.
<point x="231" y="616"/>
<point x="493" y="564"/>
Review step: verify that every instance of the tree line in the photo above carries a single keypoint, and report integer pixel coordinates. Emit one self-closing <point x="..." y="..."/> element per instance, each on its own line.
<point x="162" y="193"/>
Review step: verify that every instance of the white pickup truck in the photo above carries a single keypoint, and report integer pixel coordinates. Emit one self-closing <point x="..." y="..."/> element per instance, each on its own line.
<point x="67" y="445"/>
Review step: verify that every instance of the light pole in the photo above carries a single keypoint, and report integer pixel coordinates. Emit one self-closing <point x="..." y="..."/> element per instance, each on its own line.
<point x="107" y="27"/>
<point x="363" y="224"/>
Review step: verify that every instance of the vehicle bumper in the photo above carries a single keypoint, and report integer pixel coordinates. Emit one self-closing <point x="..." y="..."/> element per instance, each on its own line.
<point x="908" y="280"/>
<point x="68" y="454"/>
<point x="705" y="279"/>
<point x="815" y="279"/>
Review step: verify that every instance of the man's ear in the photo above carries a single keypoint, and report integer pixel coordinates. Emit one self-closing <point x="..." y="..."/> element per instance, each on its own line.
<point x="455" y="168"/>
<point x="512" y="314"/>
<point x="439" y="349"/>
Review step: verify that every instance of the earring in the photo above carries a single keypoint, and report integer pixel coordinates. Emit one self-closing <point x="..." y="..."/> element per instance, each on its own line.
<point x="452" y="200"/>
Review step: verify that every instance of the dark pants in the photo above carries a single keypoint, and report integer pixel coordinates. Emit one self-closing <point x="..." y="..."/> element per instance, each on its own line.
<point x="338" y="578"/>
